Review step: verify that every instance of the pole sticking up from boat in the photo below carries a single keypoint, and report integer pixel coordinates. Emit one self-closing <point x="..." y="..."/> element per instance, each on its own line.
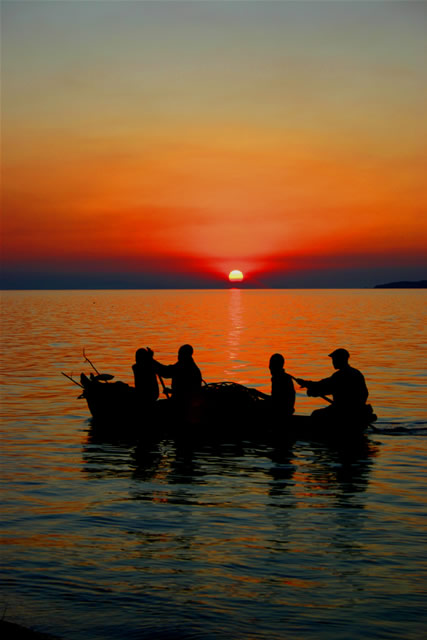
<point x="91" y="363"/>
<point x="72" y="380"/>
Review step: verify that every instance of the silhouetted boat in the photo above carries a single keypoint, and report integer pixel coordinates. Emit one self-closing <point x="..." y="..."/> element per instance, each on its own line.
<point x="222" y="409"/>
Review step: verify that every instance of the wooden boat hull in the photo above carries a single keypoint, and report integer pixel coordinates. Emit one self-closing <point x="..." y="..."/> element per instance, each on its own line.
<point x="221" y="410"/>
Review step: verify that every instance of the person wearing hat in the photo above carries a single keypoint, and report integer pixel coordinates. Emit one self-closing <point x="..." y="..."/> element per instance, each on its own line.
<point x="347" y="387"/>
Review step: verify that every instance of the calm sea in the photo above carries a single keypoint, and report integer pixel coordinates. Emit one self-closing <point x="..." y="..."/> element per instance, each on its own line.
<point x="106" y="540"/>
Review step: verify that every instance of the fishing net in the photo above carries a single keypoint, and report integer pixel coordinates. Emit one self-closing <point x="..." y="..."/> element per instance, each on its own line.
<point x="231" y="396"/>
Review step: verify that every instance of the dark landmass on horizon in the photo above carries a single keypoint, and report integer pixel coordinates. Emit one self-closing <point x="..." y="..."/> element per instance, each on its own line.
<point x="10" y="630"/>
<point x="403" y="284"/>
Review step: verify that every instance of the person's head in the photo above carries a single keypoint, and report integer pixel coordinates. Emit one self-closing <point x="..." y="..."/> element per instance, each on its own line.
<point x="143" y="356"/>
<point x="185" y="352"/>
<point x="277" y="362"/>
<point x="339" y="358"/>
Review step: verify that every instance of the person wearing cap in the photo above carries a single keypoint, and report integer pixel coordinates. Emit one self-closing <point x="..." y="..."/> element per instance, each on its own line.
<point x="347" y="387"/>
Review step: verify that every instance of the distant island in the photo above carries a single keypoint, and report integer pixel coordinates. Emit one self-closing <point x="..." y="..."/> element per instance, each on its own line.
<point x="404" y="284"/>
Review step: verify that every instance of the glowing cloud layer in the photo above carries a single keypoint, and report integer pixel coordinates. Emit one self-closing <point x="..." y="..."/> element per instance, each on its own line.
<point x="283" y="137"/>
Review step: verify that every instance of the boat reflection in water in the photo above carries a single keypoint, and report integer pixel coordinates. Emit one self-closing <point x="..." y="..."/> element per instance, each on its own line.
<point x="339" y="467"/>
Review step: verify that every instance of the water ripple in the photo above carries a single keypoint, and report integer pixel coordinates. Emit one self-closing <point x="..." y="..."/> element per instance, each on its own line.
<point x="244" y="540"/>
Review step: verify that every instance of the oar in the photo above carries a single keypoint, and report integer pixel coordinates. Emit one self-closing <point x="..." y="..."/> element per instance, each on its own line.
<point x="323" y="397"/>
<point x="165" y="391"/>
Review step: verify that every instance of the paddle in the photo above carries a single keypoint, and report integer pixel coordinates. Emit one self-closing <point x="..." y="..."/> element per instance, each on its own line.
<point x="165" y="390"/>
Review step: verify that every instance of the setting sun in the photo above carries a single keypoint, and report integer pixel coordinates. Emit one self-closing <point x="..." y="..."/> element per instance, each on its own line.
<point x="235" y="276"/>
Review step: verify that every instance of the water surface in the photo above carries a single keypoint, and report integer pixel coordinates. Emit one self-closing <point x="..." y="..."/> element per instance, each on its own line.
<point x="242" y="540"/>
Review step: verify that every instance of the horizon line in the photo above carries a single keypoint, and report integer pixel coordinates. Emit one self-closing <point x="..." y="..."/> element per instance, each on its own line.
<point x="225" y="288"/>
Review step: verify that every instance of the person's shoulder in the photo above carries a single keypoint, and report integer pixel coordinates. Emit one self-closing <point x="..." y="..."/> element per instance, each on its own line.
<point x="355" y="371"/>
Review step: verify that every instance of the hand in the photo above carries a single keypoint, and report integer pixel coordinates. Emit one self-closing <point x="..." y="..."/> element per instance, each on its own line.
<point x="149" y="351"/>
<point x="312" y="389"/>
<point x="301" y="382"/>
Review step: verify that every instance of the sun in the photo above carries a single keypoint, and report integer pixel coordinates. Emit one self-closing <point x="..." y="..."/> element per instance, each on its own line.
<point x="235" y="276"/>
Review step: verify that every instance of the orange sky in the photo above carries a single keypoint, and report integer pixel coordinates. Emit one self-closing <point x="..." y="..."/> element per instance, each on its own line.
<point x="201" y="137"/>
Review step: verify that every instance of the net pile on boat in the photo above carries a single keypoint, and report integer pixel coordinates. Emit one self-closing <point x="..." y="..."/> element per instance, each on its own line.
<point x="230" y="398"/>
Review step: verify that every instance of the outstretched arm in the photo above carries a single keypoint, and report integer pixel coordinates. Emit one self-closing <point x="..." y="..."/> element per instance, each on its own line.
<point x="316" y="389"/>
<point x="165" y="370"/>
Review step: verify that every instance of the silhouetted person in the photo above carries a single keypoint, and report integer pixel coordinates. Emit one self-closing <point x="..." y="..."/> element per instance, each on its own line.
<point x="144" y="372"/>
<point x="282" y="388"/>
<point x="185" y="374"/>
<point x="347" y="387"/>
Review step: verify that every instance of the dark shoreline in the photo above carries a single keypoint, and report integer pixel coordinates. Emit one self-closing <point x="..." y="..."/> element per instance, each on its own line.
<point x="12" y="631"/>
<point x="403" y="284"/>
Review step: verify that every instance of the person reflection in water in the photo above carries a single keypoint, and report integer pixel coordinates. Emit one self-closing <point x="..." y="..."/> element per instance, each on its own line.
<point x="145" y="376"/>
<point x="185" y="374"/>
<point x="282" y="389"/>
<point x="347" y="387"/>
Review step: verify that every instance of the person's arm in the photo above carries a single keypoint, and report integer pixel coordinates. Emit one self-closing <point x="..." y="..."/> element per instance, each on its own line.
<point x="290" y="395"/>
<point x="165" y="370"/>
<point x="320" y="388"/>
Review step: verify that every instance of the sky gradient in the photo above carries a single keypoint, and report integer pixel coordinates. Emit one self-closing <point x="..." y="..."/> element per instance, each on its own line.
<point x="162" y="144"/>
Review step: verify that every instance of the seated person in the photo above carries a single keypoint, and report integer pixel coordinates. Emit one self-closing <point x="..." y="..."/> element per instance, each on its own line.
<point x="146" y="384"/>
<point x="282" y="388"/>
<point x="347" y="387"/>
